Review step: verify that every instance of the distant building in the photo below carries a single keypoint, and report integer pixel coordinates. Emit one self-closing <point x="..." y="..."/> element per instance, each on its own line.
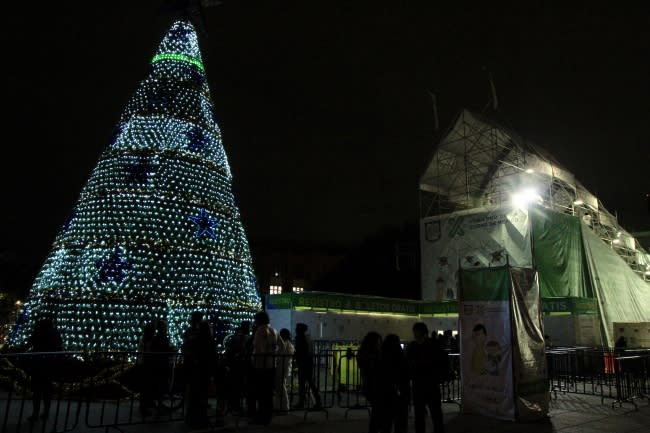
<point x="292" y="266"/>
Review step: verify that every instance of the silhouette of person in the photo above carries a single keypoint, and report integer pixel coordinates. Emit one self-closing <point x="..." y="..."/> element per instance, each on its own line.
<point x="368" y="362"/>
<point x="283" y="369"/>
<point x="305" y="363"/>
<point x="162" y="360"/>
<point x="249" y="375"/>
<point x="237" y="363"/>
<point x="198" y="350"/>
<point x="265" y="345"/>
<point x="454" y="346"/>
<point x="161" y="339"/>
<point x="393" y="390"/>
<point x="145" y="361"/>
<point x="45" y="338"/>
<point x="423" y="354"/>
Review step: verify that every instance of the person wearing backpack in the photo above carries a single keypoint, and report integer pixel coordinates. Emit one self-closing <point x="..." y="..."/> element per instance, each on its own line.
<point x="428" y="367"/>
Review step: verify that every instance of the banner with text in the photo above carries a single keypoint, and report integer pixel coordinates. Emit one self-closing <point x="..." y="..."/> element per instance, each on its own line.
<point x="486" y="343"/>
<point x="472" y="240"/>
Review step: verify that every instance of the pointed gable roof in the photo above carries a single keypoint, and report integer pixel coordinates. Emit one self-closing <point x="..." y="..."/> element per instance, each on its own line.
<point x="477" y="154"/>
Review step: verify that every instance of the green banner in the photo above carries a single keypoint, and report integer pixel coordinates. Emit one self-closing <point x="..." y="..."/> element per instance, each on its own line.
<point x="570" y="304"/>
<point x="283" y="301"/>
<point x="337" y="301"/>
<point x="358" y="303"/>
<point x="489" y="284"/>
<point x="441" y="308"/>
<point x="559" y="254"/>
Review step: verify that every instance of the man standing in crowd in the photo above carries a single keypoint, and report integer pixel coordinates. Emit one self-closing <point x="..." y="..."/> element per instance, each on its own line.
<point x="198" y="356"/>
<point x="237" y="363"/>
<point x="428" y="368"/>
<point x="305" y="362"/>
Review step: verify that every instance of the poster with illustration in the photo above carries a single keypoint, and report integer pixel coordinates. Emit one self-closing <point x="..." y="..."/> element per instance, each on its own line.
<point x="486" y="343"/>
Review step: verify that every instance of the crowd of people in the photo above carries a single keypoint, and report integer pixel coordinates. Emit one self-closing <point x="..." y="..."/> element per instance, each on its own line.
<point x="258" y="361"/>
<point x="255" y="367"/>
<point x="394" y="377"/>
<point x="252" y="375"/>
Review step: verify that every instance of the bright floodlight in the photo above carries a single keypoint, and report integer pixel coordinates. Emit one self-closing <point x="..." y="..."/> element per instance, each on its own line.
<point x="578" y="202"/>
<point x="526" y="196"/>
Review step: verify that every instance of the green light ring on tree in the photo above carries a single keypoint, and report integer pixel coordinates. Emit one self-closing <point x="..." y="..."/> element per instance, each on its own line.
<point x="179" y="57"/>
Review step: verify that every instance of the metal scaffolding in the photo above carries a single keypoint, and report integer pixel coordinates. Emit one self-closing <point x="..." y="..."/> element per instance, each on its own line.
<point x="479" y="163"/>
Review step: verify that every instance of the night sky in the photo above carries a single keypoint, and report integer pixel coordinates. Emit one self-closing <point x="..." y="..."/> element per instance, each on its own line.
<point x="324" y="106"/>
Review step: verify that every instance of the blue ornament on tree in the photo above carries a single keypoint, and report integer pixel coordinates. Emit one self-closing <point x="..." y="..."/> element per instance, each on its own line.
<point x="140" y="171"/>
<point x="205" y="224"/>
<point x="198" y="140"/>
<point x="112" y="268"/>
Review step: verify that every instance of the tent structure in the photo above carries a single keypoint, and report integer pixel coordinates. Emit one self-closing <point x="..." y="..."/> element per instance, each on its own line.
<point x="489" y="196"/>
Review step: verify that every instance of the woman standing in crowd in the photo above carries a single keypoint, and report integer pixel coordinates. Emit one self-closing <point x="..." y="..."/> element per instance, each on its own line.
<point x="283" y="370"/>
<point x="368" y="361"/>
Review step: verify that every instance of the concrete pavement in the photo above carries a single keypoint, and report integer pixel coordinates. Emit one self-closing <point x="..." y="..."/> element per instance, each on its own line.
<point x="570" y="413"/>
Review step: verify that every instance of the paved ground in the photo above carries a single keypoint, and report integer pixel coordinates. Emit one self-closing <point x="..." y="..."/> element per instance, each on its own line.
<point x="570" y="413"/>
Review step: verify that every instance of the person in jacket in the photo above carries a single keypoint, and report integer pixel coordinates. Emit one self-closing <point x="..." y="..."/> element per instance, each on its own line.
<point x="265" y="345"/>
<point x="45" y="338"/>
<point x="283" y="370"/>
<point x="305" y="363"/>
<point x="425" y="359"/>
<point x="393" y="387"/>
<point x="368" y="361"/>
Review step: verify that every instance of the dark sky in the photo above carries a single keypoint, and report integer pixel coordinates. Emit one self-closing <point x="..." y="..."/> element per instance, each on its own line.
<point x="323" y="106"/>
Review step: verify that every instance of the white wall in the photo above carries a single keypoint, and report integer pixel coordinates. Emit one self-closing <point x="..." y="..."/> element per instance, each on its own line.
<point x="347" y="326"/>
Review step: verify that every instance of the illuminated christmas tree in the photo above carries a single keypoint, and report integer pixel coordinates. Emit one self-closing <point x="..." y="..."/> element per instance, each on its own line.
<point x="156" y="233"/>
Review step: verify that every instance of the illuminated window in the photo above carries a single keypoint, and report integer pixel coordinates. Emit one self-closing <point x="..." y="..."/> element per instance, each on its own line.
<point x="297" y="290"/>
<point x="275" y="290"/>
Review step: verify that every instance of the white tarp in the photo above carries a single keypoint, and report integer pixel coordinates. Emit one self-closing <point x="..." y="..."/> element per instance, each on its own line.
<point x="472" y="239"/>
<point x="622" y="295"/>
<point x="529" y="358"/>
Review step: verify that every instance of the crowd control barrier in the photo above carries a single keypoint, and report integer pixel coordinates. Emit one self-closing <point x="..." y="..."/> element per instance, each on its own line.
<point x="110" y="390"/>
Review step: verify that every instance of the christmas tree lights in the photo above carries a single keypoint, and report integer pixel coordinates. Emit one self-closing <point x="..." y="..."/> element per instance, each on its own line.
<point x="156" y="233"/>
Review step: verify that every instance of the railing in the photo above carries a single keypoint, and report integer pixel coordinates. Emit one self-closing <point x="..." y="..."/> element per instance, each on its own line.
<point x="621" y="375"/>
<point x="113" y="389"/>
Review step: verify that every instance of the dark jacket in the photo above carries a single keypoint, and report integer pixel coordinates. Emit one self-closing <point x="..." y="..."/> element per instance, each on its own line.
<point x="428" y="363"/>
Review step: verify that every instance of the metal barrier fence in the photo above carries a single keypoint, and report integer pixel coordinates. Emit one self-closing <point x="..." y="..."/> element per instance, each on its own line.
<point x="621" y="375"/>
<point x="113" y="389"/>
<point x="99" y="390"/>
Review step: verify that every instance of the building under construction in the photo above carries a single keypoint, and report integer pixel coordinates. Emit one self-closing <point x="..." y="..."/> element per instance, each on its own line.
<point x="489" y="197"/>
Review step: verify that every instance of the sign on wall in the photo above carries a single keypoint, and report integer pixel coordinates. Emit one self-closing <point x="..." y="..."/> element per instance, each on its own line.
<point x="471" y="240"/>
